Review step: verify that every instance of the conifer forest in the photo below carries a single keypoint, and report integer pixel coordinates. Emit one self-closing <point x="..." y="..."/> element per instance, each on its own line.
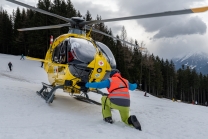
<point x="152" y="74"/>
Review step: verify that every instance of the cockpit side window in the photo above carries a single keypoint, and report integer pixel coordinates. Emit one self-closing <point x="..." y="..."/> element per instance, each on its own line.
<point x="63" y="50"/>
<point x="56" y="54"/>
<point x="107" y="53"/>
<point x="59" y="53"/>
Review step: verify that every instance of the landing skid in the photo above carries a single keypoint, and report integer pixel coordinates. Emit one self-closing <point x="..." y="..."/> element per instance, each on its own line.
<point x="48" y="96"/>
<point x="87" y="100"/>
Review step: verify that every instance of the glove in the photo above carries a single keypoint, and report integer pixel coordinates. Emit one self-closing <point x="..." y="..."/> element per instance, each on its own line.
<point x="136" y="82"/>
<point x="82" y="84"/>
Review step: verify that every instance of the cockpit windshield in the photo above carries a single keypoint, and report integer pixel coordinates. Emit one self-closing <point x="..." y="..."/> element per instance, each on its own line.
<point x="82" y="50"/>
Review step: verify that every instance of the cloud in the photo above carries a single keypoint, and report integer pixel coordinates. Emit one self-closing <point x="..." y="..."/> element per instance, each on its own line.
<point x="171" y="26"/>
<point x="178" y="46"/>
<point x="193" y="25"/>
<point x="94" y="9"/>
<point x="100" y="10"/>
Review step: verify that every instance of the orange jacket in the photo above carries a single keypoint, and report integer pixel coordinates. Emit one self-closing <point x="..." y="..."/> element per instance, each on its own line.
<point x="118" y="91"/>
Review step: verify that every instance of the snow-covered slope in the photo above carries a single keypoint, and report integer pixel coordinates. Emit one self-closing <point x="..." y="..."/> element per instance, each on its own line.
<point x="25" y="115"/>
<point x="195" y="60"/>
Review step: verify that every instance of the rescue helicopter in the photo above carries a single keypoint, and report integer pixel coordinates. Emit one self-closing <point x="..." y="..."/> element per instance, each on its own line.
<point x="75" y="56"/>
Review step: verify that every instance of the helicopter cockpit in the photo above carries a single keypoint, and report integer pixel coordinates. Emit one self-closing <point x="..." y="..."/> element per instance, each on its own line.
<point x="74" y="49"/>
<point x="82" y="50"/>
<point x="78" y="53"/>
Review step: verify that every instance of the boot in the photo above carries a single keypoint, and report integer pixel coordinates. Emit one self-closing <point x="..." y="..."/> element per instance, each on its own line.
<point x="132" y="120"/>
<point x="108" y="120"/>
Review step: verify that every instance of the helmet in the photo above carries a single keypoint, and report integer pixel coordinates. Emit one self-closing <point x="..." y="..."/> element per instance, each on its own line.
<point x="113" y="71"/>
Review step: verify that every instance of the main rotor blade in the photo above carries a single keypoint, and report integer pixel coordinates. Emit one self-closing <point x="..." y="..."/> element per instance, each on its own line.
<point x="44" y="27"/>
<point x="168" y="13"/>
<point x="41" y="11"/>
<point x="97" y="31"/>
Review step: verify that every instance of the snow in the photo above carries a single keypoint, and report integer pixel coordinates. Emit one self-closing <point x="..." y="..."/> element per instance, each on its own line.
<point x="186" y="57"/>
<point x="25" y="115"/>
<point x="199" y="54"/>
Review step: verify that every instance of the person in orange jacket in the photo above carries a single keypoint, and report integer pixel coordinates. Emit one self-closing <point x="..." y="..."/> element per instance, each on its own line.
<point x="118" y="97"/>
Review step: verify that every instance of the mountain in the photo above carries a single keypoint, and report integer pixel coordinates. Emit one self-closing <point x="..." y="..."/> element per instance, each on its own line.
<point x="196" y="60"/>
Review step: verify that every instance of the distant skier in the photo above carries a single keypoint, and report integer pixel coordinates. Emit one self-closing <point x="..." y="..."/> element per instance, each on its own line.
<point x="22" y="57"/>
<point x="10" y="66"/>
<point x="118" y="98"/>
<point x="42" y="64"/>
<point x="173" y="100"/>
<point x="145" y="94"/>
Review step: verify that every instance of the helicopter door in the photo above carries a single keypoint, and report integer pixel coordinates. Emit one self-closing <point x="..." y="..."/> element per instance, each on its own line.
<point x="57" y="69"/>
<point x="56" y="55"/>
<point x="59" y="54"/>
<point x="63" y="50"/>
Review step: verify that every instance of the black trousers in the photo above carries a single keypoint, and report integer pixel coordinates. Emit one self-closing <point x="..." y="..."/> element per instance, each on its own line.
<point x="10" y="68"/>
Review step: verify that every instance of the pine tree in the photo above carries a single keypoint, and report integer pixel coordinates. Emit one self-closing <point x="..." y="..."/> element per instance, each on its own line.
<point x="97" y="36"/>
<point x="158" y="79"/>
<point x="78" y="14"/>
<point x="88" y="16"/>
<point x="71" y="12"/>
<point x="6" y="32"/>
<point x="17" y="25"/>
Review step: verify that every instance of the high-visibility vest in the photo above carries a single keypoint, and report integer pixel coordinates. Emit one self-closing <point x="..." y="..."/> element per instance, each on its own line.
<point x="118" y="90"/>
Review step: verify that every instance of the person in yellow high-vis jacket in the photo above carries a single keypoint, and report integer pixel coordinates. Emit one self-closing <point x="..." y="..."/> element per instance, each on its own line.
<point x="118" y="97"/>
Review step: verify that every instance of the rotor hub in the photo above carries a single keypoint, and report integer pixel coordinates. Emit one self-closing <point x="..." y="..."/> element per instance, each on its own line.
<point x="76" y="22"/>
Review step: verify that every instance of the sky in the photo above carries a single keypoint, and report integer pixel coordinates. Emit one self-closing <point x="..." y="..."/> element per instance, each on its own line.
<point x="166" y="37"/>
<point x="25" y="115"/>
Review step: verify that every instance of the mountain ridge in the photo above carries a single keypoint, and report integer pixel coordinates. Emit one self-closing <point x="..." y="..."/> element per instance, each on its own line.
<point x="193" y="60"/>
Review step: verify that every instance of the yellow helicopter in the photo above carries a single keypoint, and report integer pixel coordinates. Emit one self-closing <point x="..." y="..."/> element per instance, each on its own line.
<point x="75" y="56"/>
